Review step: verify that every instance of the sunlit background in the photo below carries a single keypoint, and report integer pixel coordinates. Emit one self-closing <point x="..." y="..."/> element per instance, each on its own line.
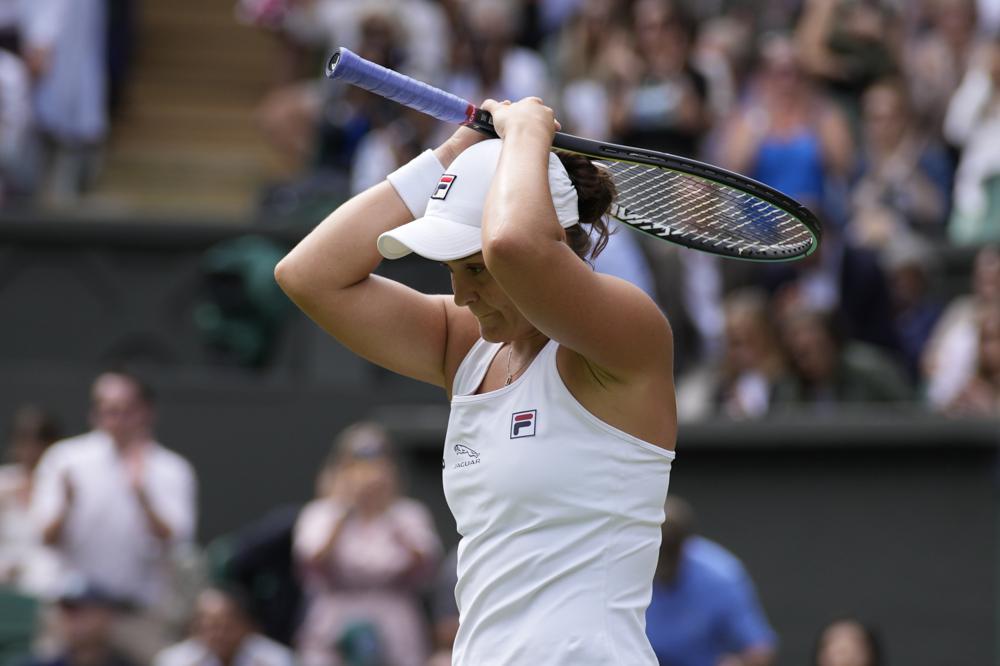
<point x="839" y="414"/>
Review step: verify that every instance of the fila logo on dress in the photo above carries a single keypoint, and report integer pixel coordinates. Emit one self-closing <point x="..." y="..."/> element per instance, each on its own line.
<point x="444" y="185"/>
<point x="522" y="424"/>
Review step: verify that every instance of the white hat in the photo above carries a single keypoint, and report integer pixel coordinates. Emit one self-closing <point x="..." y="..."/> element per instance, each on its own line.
<point x="451" y="228"/>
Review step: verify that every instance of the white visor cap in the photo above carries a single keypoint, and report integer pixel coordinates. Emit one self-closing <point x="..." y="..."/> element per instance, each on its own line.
<point x="451" y="228"/>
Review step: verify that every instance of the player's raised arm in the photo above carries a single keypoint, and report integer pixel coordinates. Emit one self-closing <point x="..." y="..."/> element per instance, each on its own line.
<point x="525" y="249"/>
<point x="329" y="274"/>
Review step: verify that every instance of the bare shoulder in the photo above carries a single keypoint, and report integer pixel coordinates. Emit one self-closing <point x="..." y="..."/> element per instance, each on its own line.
<point x="638" y="326"/>
<point x="643" y="405"/>
<point x="636" y="396"/>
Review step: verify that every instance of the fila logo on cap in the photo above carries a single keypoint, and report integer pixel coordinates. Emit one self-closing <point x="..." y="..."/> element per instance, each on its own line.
<point x="444" y="185"/>
<point x="522" y="424"/>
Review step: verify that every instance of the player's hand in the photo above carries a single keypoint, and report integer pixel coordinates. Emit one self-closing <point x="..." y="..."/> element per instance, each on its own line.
<point x="529" y="113"/>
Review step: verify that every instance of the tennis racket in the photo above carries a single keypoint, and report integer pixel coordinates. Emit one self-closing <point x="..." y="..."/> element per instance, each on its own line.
<point x="673" y="198"/>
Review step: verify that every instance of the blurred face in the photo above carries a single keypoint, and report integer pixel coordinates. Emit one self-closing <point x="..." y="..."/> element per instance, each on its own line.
<point x="989" y="343"/>
<point x="377" y="39"/>
<point x="986" y="275"/>
<point x="865" y="22"/>
<point x="812" y="349"/>
<point x="491" y="23"/>
<point x="884" y="115"/>
<point x="219" y="625"/>
<point x="474" y="288"/>
<point x="744" y="340"/>
<point x="119" y="410"/>
<point x="599" y="12"/>
<point x="658" y="34"/>
<point x="85" y="626"/>
<point x="372" y="481"/>
<point x="26" y="451"/>
<point x="844" y="644"/>
<point x="781" y="66"/>
<point x="908" y="284"/>
<point x="954" y="19"/>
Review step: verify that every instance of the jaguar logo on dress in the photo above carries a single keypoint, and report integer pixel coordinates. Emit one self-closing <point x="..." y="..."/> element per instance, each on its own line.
<point x="466" y="450"/>
<point x="522" y="424"/>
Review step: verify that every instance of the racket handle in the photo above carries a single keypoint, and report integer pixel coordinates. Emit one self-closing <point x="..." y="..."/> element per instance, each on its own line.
<point x="347" y="66"/>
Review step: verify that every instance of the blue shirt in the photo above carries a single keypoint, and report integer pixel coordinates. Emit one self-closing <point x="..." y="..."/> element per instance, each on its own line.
<point x="711" y="610"/>
<point x="793" y="165"/>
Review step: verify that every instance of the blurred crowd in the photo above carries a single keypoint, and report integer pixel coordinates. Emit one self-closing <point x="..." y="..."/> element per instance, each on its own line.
<point x="882" y="116"/>
<point x="100" y="565"/>
<point x="63" y="65"/>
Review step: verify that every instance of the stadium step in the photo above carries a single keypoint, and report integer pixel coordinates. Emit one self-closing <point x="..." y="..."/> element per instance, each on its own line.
<point x="187" y="141"/>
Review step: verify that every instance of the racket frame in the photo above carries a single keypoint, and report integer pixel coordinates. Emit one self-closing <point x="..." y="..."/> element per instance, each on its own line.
<point x="469" y="115"/>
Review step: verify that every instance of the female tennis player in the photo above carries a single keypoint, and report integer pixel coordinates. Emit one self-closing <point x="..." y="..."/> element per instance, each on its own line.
<point x="560" y="440"/>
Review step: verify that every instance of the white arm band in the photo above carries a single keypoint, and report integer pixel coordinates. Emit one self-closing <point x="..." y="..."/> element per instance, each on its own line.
<point x="415" y="181"/>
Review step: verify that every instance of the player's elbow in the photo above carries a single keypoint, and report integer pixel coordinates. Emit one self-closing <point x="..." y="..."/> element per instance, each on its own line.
<point x="502" y="253"/>
<point x="288" y="276"/>
<point x="513" y="249"/>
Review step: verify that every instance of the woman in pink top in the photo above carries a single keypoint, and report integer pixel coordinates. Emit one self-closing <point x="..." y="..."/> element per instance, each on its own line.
<point x="364" y="552"/>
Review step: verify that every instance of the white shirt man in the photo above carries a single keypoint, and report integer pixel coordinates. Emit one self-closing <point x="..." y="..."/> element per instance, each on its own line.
<point x="106" y="537"/>
<point x="113" y="502"/>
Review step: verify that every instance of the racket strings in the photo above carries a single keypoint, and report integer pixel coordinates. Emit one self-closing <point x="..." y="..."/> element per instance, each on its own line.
<point x="704" y="214"/>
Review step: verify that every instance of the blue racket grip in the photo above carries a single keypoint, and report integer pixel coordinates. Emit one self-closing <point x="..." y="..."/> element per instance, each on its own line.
<point x="347" y="66"/>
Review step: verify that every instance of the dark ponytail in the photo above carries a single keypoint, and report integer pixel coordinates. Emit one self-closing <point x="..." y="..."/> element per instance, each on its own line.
<point x="596" y="191"/>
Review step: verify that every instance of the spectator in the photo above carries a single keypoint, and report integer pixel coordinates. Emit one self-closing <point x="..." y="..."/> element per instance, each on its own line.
<point x="16" y="125"/>
<point x="721" y="54"/>
<point x="259" y="559"/>
<point x="658" y="99"/>
<point x="972" y="123"/>
<point x="486" y="63"/>
<point x="317" y="124"/>
<point x="848" y="642"/>
<point x="950" y="356"/>
<point x="422" y="37"/>
<point x="224" y="635"/>
<point x="849" y="45"/>
<point x="937" y="55"/>
<point x="839" y="277"/>
<point x="704" y="610"/>
<point x="115" y="504"/>
<point x="904" y="177"/>
<point x="741" y="387"/>
<point x="786" y="134"/>
<point x="364" y="551"/>
<point x="911" y="267"/>
<point x="10" y="25"/>
<point x="579" y="54"/>
<point x="24" y="563"/>
<point x="65" y="49"/>
<point x="384" y="149"/>
<point x="981" y="394"/>
<point x="84" y="624"/>
<point x="829" y="370"/>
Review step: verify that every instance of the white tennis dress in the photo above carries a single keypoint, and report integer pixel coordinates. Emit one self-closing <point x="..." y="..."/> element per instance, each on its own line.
<point x="559" y="515"/>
